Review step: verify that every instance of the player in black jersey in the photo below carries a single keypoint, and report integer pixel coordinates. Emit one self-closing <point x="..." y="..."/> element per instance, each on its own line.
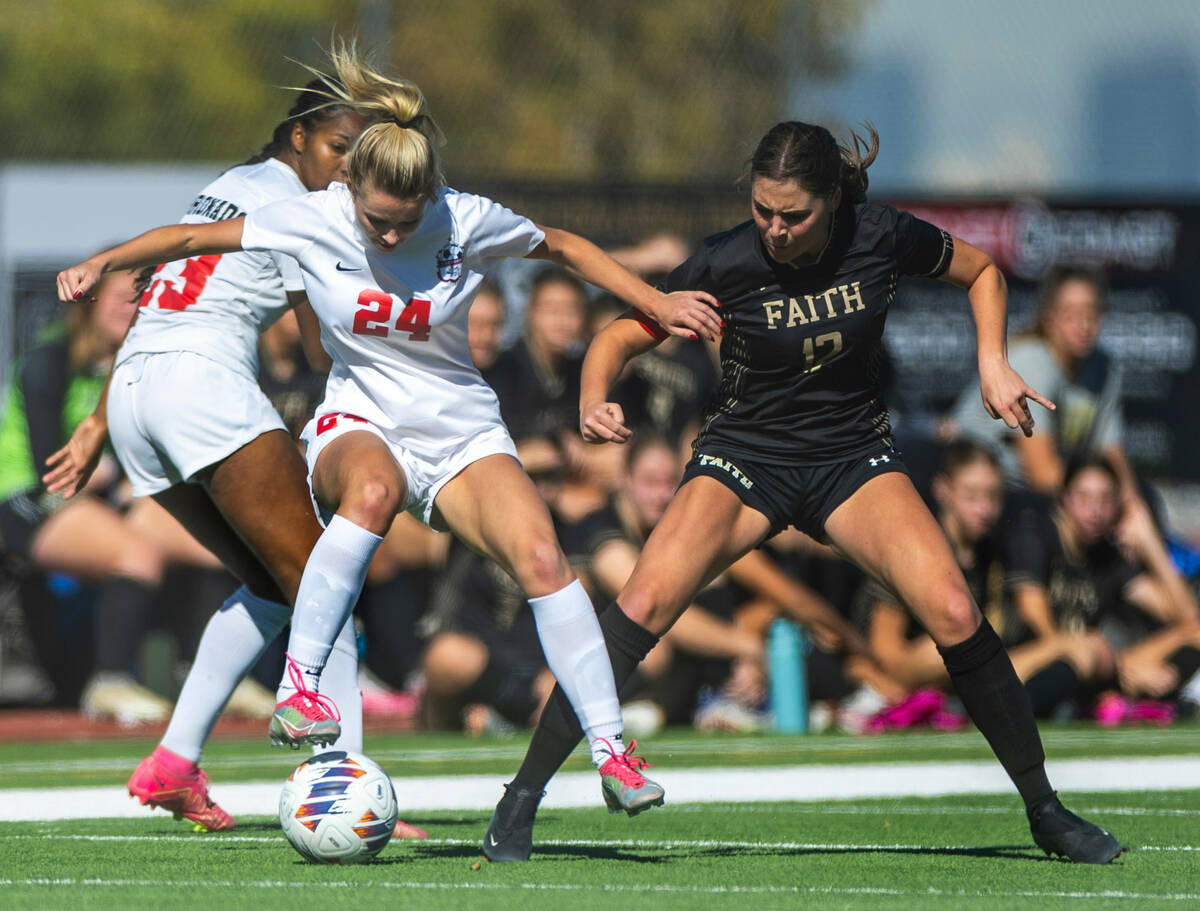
<point x="798" y="435"/>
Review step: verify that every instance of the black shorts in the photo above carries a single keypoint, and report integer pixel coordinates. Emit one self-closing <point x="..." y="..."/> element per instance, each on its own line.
<point x="800" y="495"/>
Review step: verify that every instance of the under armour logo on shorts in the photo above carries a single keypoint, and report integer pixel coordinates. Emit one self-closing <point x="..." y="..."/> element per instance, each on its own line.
<point x="876" y="461"/>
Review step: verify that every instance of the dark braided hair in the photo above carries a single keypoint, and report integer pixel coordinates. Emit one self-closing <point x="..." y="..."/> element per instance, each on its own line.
<point x="312" y="108"/>
<point x="809" y="155"/>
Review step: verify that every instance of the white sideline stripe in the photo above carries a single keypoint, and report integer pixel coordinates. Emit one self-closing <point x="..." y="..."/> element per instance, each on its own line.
<point x="668" y="845"/>
<point x="716" y="785"/>
<point x="192" y="886"/>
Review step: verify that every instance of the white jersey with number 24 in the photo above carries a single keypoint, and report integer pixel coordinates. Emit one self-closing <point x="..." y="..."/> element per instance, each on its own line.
<point x="395" y="322"/>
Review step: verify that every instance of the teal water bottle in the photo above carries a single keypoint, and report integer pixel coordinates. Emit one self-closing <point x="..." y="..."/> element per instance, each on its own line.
<point x="787" y="648"/>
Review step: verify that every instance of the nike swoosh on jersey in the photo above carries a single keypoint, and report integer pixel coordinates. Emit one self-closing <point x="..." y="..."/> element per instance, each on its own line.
<point x="342" y="268"/>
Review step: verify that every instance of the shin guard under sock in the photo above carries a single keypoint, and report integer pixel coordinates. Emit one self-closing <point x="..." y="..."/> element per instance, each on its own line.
<point x="997" y="702"/>
<point x="558" y="731"/>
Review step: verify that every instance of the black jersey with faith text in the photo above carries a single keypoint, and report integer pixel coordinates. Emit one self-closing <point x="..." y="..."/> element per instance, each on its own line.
<point x="803" y="343"/>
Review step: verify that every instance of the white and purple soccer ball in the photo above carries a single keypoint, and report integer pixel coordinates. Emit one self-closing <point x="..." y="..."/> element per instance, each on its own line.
<point x="338" y="808"/>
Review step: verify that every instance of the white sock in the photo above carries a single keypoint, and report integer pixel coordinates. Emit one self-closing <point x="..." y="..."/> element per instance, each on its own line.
<point x="233" y="641"/>
<point x="332" y="580"/>
<point x="574" y="648"/>
<point x="340" y="683"/>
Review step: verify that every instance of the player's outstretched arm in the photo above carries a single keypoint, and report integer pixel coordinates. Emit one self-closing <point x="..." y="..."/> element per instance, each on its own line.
<point x="602" y="421"/>
<point x="158" y="245"/>
<point x="688" y="314"/>
<point x="1004" y="392"/>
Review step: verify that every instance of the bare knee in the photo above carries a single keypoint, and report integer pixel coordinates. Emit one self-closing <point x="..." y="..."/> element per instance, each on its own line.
<point x="453" y="662"/>
<point x="954" y="618"/>
<point x="649" y="606"/>
<point x="539" y="565"/>
<point x="144" y="564"/>
<point x="372" y="502"/>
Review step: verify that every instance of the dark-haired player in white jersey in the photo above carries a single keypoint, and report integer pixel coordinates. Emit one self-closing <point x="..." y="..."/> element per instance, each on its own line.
<point x="390" y="262"/>
<point x="798" y="435"/>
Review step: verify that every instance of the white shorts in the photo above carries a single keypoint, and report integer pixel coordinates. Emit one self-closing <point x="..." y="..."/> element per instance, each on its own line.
<point x="174" y="413"/>
<point x="426" y="474"/>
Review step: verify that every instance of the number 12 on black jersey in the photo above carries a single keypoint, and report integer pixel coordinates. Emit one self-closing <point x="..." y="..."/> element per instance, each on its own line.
<point x="376" y="313"/>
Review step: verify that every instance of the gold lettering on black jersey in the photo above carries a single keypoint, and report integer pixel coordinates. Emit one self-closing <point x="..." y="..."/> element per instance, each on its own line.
<point x="827" y="296"/>
<point x="851" y="297"/>
<point x="774" y="310"/>
<point x="796" y="313"/>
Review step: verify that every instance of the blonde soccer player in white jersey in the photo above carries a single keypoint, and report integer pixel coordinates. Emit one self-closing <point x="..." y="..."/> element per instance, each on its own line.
<point x="390" y="261"/>
<point x="194" y="431"/>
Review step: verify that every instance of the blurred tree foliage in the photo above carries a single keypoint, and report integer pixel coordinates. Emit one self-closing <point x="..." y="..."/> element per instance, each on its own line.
<point x="665" y="90"/>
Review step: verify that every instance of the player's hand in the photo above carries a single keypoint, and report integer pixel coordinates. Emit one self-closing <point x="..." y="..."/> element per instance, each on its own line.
<point x="604" y="422"/>
<point x="72" y="466"/>
<point x="1005" y="395"/>
<point x="689" y="314"/>
<point x="75" y="282"/>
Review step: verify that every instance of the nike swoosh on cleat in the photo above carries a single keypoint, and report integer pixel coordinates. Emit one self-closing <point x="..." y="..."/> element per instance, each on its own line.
<point x="342" y="268"/>
<point x="492" y="839"/>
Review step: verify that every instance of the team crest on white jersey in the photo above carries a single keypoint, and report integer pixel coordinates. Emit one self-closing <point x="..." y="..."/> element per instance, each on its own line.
<point x="450" y="262"/>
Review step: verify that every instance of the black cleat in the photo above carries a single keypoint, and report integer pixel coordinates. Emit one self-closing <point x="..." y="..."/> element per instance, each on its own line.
<point x="1056" y="830"/>
<point x="510" y="833"/>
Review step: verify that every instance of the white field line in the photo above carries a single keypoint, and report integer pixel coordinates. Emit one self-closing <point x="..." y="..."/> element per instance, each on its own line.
<point x="662" y="749"/>
<point x="579" y="789"/>
<point x="675" y="844"/>
<point x="659" y="888"/>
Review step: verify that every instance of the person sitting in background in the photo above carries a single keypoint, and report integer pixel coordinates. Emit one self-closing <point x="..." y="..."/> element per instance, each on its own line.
<point x="537" y="380"/>
<point x="969" y="492"/>
<point x="125" y="553"/>
<point x="1059" y="356"/>
<point x="1077" y="569"/>
<point x="537" y="384"/>
<point x="485" y="325"/>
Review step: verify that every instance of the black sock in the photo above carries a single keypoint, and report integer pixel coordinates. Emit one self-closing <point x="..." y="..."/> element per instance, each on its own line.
<point x="1186" y="661"/>
<point x="507" y="689"/>
<point x="122" y="615"/>
<point x="997" y="702"/>
<point x="1050" y="686"/>
<point x="559" y="731"/>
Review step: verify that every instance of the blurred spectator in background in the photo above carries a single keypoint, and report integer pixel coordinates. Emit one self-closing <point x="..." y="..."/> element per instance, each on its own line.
<point x="1075" y="569"/>
<point x="537" y="380"/>
<point x="485" y="325"/>
<point x="969" y="491"/>
<point x="1059" y="357"/>
<point x="90" y="537"/>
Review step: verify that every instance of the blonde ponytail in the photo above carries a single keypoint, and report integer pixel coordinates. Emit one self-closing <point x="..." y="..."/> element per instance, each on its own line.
<point x="398" y="153"/>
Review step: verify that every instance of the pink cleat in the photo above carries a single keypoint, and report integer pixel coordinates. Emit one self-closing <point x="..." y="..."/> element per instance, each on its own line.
<point x="185" y="796"/>
<point x="405" y="830"/>
<point x="623" y="784"/>
<point x="305" y="716"/>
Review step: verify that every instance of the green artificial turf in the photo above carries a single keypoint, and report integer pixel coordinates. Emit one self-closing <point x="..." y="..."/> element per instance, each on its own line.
<point x="881" y="854"/>
<point x="932" y="853"/>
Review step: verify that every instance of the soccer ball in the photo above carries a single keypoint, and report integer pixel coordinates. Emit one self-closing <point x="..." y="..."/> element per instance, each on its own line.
<point x="338" y="808"/>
